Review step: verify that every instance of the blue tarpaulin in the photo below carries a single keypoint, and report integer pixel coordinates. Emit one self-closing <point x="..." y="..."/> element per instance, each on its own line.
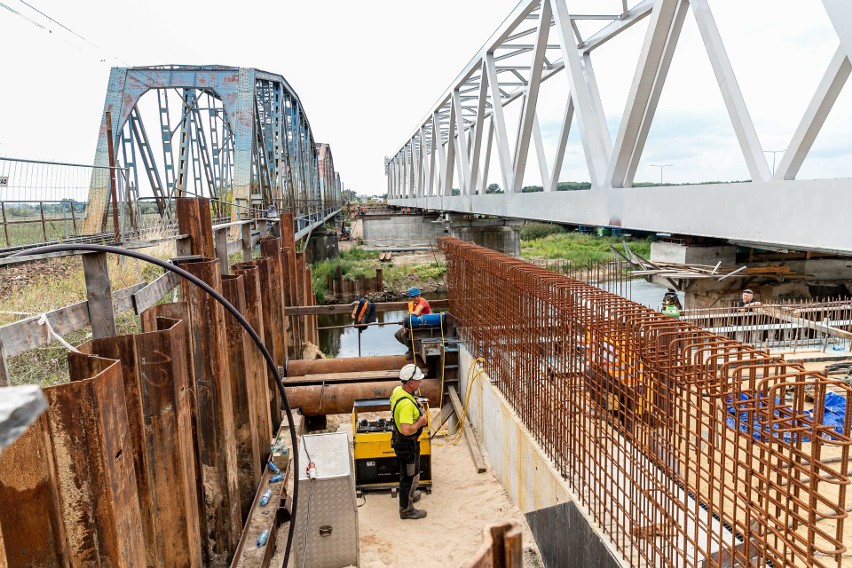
<point x="834" y="415"/>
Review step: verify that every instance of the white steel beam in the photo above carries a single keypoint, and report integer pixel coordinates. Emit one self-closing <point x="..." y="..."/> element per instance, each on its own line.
<point x="589" y="119"/>
<point x="561" y="144"/>
<point x="463" y="159"/>
<point x="737" y="110"/>
<point x="617" y="26"/>
<point x="539" y="152"/>
<point x="651" y="71"/>
<point x="450" y="163"/>
<point x="498" y="124"/>
<point x="820" y="106"/>
<point x="482" y="99"/>
<point x="528" y="117"/>
<point x="840" y="14"/>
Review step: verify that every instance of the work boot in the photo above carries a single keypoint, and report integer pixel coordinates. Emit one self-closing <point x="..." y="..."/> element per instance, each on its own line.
<point x="416" y="497"/>
<point x="411" y="513"/>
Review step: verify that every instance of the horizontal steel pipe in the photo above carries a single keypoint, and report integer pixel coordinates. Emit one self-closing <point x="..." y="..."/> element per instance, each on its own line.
<point x="345" y="365"/>
<point x="338" y="399"/>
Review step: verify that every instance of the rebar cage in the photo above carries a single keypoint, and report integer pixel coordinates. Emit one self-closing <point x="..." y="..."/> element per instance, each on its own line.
<point x="686" y="448"/>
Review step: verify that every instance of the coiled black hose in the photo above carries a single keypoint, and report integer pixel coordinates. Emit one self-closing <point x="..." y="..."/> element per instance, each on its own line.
<point x="233" y="311"/>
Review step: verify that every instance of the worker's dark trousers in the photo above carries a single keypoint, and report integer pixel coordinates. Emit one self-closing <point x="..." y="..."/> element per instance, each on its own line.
<point x="402" y="335"/>
<point x="408" y="458"/>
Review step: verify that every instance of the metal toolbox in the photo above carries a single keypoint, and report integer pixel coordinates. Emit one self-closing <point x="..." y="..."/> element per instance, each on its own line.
<point x="327" y="512"/>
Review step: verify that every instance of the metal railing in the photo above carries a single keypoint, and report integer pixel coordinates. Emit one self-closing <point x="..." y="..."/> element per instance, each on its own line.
<point x="686" y="448"/>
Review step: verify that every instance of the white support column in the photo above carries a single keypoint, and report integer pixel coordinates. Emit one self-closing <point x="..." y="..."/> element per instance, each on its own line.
<point x="421" y="180"/>
<point x="589" y="120"/>
<point x="651" y="71"/>
<point x="484" y="183"/>
<point x="737" y="110"/>
<point x="820" y="106"/>
<point x="433" y="155"/>
<point x="498" y="124"/>
<point x="528" y="116"/>
<point x="462" y="159"/>
<point x="544" y="171"/>
<point x="561" y="144"/>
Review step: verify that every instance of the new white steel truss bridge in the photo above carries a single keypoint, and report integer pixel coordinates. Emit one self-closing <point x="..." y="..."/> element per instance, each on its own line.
<point x="444" y="164"/>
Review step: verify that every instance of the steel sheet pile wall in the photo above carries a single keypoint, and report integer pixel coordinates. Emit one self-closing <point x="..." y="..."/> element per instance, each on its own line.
<point x="152" y="454"/>
<point x="684" y="447"/>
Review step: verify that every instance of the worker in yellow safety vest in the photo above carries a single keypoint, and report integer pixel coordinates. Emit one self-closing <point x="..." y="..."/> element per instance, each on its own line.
<point x="409" y="419"/>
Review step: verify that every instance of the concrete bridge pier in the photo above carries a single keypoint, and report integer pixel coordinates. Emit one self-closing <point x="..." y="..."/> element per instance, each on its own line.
<point x="805" y="279"/>
<point x="502" y="235"/>
<point x="322" y="244"/>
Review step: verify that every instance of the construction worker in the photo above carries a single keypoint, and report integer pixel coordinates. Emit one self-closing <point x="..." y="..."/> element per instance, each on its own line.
<point x="671" y="304"/>
<point x="409" y="419"/>
<point x="748" y="300"/>
<point x="417" y="306"/>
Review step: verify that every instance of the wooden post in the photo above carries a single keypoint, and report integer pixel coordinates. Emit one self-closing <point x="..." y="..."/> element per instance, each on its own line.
<point x="212" y="384"/>
<point x="245" y="240"/>
<point x="243" y="394"/>
<point x="380" y="282"/>
<point x="220" y="243"/>
<point x="99" y="294"/>
<point x="5" y="379"/>
<point x="193" y="215"/>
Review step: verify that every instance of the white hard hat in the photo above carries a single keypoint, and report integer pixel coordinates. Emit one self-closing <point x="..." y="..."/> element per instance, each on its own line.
<point x="410" y="372"/>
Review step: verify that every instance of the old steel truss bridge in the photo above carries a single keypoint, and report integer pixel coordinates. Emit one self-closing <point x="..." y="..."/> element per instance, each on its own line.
<point x="238" y="136"/>
<point x="443" y="164"/>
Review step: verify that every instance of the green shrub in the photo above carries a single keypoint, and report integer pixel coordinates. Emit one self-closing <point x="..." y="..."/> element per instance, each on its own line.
<point x="580" y="247"/>
<point x="532" y="231"/>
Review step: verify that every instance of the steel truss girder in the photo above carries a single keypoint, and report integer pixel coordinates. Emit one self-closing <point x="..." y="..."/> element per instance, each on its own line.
<point x="258" y="137"/>
<point x="539" y="39"/>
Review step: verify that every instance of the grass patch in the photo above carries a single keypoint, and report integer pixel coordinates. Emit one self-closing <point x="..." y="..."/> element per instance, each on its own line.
<point x="580" y="247"/>
<point x="536" y="230"/>
<point x="357" y="262"/>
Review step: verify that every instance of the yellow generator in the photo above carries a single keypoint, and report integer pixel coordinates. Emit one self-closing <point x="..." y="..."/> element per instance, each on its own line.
<point x="373" y="455"/>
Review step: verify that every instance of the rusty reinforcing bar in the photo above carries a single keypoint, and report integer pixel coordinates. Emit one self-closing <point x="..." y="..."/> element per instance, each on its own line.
<point x="687" y="448"/>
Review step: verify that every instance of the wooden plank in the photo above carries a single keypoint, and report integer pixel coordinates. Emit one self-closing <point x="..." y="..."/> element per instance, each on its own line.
<point x="220" y="243"/>
<point x="99" y="294"/>
<point x="470" y="437"/>
<point x="261" y="518"/>
<point x="5" y="379"/>
<point x="27" y="334"/>
<point x="92" y="453"/>
<point x="153" y="292"/>
<point x="293" y="311"/>
<point x="246" y="242"/>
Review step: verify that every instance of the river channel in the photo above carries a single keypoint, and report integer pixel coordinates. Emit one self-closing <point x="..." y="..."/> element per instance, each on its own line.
<point x="379" y="339"/>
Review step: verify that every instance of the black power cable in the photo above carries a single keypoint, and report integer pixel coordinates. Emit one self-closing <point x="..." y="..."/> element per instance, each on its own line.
<point x="234" y="312"/>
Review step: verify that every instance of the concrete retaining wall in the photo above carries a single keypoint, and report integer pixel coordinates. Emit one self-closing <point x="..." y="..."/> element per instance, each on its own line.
<point x="401" y="230"/>
<point x="531" y="480"/>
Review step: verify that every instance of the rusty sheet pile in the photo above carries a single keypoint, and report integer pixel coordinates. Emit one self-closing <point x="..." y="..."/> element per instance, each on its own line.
<point x="686" y="448"/>
<point x="152" y="454"/>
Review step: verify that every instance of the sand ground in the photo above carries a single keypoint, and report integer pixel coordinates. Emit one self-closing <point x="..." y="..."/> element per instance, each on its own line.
<point x="462" y="503"/>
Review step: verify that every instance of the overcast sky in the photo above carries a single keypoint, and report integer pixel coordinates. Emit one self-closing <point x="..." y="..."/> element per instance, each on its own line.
<point x="368" y="72"/>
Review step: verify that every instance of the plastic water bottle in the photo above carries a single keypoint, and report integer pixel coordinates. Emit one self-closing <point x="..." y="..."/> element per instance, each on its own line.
<point x="276" y="478"/>
<point x="264" y="499"/>
<point x="263" y="537"/>
<point x="273" y="467"/>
